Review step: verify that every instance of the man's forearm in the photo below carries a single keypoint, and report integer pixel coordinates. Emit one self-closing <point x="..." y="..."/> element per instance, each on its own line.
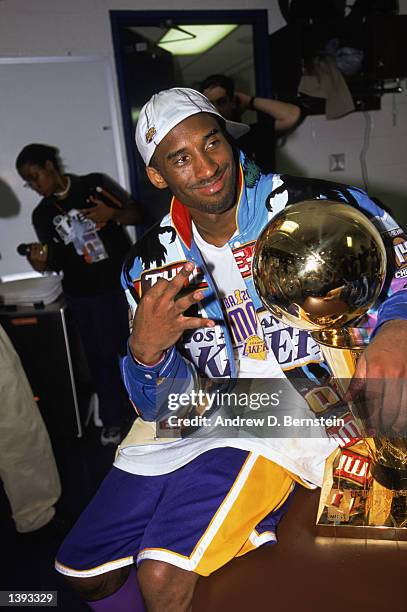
<point x="285" y="115"/>
<point x="126" y="216"/>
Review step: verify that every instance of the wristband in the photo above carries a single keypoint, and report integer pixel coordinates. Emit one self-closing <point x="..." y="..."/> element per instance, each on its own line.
<point x="251" y="103"/>
<point x="149" y="365"/>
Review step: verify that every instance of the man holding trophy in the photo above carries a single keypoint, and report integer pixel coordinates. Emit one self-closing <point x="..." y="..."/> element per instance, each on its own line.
<point x="183" y="508"/>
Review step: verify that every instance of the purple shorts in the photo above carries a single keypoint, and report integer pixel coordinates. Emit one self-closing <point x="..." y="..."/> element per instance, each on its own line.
<point x="222" y="504"/>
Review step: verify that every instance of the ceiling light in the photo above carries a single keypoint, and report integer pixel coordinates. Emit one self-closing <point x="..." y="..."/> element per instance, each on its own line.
<point x="193" y="39"/>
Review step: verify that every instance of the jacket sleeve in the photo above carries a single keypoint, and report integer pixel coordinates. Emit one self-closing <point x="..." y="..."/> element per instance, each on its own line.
<point x="150" y="386"/>
<point x="394" y="296"/>
<point x="394" y="307"/>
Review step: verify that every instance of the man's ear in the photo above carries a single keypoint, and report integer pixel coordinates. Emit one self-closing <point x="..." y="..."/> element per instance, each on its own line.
<point x="155" y="178"/>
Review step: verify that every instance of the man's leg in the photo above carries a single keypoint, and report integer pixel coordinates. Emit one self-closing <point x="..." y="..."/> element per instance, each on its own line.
<point x="115" y="590"/>
<point x="27" y="464"/>
<point x="166" y="587"/>
<point x="97" y="556"/>
<point x="183" y="524"/>
<point x="95" y="588"/>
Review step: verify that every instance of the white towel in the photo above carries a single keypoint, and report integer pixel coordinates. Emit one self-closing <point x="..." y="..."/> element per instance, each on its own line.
<point x="328" y="83"/>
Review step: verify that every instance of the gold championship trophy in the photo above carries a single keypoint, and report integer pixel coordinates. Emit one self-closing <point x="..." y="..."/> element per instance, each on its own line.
<point x="319" y="266"/>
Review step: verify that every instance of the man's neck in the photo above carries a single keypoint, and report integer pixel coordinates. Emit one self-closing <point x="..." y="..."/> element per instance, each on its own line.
<point x="215" y="229"/>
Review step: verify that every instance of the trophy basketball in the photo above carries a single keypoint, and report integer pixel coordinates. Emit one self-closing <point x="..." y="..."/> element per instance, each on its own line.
<point x="319" y="265"/>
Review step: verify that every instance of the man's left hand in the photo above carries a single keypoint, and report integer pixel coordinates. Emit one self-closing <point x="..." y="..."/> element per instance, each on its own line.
<point x="381" y="374"/>
<point x="100" y="213"/>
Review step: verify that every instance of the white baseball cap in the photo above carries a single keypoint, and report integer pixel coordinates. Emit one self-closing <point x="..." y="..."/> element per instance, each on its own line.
<point x="168" y="108"/>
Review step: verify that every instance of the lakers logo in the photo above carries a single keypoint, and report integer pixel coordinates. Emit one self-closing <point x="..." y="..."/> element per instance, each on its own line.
<point x="255" y="348"/>
<point x="151" y="132"/>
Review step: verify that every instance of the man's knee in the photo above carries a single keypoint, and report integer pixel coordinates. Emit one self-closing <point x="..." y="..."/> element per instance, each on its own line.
<point x="166" y="584"/>
<point x="99" y="587"/>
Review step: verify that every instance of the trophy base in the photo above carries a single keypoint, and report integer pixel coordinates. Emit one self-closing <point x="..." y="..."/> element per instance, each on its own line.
<point x="355" y="505"/>
<point x="391" y="478"/>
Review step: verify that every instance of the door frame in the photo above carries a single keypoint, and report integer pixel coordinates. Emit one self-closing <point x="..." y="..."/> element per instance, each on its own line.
<point x="258" y="19"/>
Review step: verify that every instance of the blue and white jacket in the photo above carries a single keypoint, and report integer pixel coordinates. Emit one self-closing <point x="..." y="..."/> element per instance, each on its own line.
<point x="167" y="246"/>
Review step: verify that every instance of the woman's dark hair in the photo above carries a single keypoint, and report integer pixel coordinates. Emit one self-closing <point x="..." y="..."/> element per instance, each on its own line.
<point x="38" y="154"/>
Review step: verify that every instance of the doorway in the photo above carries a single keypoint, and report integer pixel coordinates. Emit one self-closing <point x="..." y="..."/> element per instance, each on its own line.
<point x="157" y="50"/>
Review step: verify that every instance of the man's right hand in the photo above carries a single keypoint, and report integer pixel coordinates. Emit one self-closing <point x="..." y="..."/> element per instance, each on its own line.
<point x="38" y="256"/>
<point x="159" y="321"/>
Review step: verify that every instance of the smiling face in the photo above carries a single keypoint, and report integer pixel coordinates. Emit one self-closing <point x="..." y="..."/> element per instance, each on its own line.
<point x="196" y="162"/>
<point x="44" y="180"/>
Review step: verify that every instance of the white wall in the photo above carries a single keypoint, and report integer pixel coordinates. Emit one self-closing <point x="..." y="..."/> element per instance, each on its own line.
<point x="65" y="101"/>
<point x="307" y="150"/>
<point x="80" y="27"/>
<point x="32" y="28"/>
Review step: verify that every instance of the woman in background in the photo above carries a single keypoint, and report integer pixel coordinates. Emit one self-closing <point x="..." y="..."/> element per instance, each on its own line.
<point x="79" y="226"/>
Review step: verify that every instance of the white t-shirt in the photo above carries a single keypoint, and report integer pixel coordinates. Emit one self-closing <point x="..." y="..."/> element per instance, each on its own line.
<point x="302" y="456"/>
<point x="251" y="355"/>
